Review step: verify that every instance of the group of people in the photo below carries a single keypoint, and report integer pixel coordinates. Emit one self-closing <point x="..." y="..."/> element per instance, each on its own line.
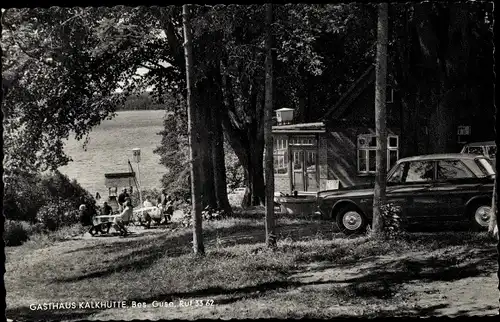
<point x="164" y="211"/>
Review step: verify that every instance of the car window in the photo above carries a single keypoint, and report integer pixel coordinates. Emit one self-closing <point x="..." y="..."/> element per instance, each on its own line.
<point x="397" y="175"/>
<point x="419" y="171"/>
<point x="453" y="169"/>
<point x="487" y="165"/>
<point x="475" y="150"/>
<point x="492" y="151"/>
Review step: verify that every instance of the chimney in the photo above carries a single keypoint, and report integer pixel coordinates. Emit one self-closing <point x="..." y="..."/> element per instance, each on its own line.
<point x="284" y="116"/>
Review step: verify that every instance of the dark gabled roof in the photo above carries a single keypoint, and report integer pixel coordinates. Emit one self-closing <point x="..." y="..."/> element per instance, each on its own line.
<point x="119" y="175"/>
<point x="352" y="93"/>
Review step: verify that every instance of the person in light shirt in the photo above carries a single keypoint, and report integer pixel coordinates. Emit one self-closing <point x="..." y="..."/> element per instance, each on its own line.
<point x="147" y="216"/>
<point x="124" y="218"/>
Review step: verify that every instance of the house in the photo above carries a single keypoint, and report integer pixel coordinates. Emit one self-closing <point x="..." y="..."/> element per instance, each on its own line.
<point x="340" y="149"/>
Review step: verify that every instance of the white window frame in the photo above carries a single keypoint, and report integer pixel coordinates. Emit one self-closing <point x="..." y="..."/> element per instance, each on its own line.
<point x="367" y="148"/>
<point x="279" y="151"/>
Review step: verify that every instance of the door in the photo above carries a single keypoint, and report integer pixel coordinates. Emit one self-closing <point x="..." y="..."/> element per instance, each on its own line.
<point x="305" y="170"/>
<point x="418" y="177"/>
<point x="311" y="182"/>
<point x="450" y="200"/>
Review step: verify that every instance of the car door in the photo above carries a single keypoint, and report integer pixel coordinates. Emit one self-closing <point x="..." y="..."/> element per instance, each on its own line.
<point x="456" y="184"/>
<point x="418" y="178"/>
<point x="409" y="186"/>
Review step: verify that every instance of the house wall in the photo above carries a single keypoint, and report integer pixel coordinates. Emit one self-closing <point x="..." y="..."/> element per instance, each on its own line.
<point x="281" y="183"/>
<point x="363" y="107"/>
<point x="342" y="162"/>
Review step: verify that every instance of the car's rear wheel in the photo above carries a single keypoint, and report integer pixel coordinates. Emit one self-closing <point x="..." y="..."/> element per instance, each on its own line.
<point x="351" y="220"/>
<point x="480" y="216"/>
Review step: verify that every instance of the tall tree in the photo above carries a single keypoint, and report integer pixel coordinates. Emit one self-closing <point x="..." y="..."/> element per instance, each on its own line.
<point x="380" y="118"/>
<point x="194" y="139"/>
<point x="442" y="60"/>
<point x="493" y="224"/>
<point x="268" y="132"/>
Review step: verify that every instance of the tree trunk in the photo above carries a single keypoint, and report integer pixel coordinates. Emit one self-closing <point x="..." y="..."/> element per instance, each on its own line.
<point x="248" y="145"/>
<point x="206" y="134"/>
<point x="268" y="134"/>
<point x="252" y="162"/>
<point x="442" y="124"/>
<point x="409" y="127"/>
<point x="380" y="118"/>
<point x="194" y="139"/>
<point x="218" y="162"/>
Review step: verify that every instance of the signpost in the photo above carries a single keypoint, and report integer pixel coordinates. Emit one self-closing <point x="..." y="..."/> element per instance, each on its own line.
<point x="137" y="158"/>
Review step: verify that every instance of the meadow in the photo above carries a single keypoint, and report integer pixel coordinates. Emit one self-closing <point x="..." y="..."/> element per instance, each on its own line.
<point x="315" y="272"/>
<point x="110" y="147"/>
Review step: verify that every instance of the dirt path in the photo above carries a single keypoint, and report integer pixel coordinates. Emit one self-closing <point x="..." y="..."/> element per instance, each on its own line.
<point x="454" y="291"/>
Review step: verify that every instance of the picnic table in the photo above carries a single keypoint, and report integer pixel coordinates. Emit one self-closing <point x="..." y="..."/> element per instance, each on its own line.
<point x="103" y="223"/>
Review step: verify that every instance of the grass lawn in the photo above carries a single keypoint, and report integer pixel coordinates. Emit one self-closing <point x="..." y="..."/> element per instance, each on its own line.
<point x="316" y="272"/>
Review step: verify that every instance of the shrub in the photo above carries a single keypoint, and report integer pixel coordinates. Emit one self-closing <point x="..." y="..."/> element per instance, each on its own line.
<point x="15" y="232"/>
<point x="392" y="219"/>
<point x="25" y="194"/>
<point x="56" y="214"/>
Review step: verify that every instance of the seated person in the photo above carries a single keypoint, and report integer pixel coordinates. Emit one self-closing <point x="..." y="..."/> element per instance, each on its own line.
<point x="124" y="218"/>
<point x="168" y="209"/>
<point x="147" y="217"/>
<point x="106" y="209"/>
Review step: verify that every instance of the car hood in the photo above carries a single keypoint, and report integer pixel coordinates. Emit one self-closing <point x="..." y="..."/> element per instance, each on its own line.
<point x="354" y="191"/>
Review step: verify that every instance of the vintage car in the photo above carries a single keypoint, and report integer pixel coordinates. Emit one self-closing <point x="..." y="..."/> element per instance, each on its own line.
<point x="488" y="148"/>
<point x="428" y="188"/>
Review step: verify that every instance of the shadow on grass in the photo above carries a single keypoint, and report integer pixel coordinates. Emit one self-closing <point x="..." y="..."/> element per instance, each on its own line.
<point x="26" y="314"/>
<point x="231" y="295"/>
<point x="145" y="252"/>
<point x="380" y="281"/>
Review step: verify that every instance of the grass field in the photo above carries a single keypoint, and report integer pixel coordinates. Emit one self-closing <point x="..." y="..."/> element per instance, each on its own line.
<point x="316" y="272"/>
<point x="110" y="147"/>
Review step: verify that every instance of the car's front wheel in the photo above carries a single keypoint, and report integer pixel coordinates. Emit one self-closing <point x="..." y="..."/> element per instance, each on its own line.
<point x="480" y="216"/>
<point x="350" y="220"/>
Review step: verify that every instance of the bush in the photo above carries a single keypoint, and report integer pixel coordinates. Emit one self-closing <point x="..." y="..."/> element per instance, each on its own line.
<point x="25" y="194"/>
<point x="57" y="214"/>
<point x="15" y="232"/>
<point x="392" y="219"/>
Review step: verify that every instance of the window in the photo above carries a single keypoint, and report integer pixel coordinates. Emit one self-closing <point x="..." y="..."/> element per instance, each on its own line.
<point x="475" y="150"/>
<point x="487" y="165"/>
<point x="367" y="152"/>
<point x="397" y="175"/>
<point x="280" y="155"/>
<point x="453" y="169"/>
<point x="419" y="171"/>
<point x="491" y="150"/>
